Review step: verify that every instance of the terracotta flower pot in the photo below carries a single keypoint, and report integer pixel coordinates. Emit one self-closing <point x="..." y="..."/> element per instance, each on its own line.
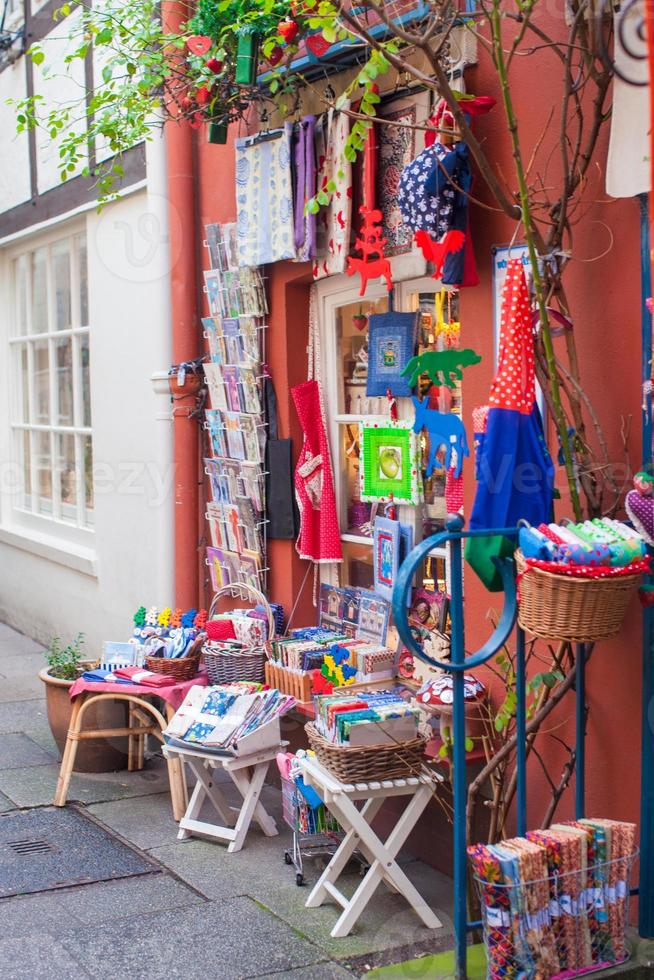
<point x="94" y="755"/>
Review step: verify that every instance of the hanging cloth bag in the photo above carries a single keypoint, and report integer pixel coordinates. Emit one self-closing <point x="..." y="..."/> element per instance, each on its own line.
<point x="281" y="510"/>
<point x="515" y="472"/>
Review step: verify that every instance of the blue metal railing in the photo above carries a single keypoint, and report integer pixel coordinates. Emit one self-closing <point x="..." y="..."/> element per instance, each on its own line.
<point x="458" y="663"/>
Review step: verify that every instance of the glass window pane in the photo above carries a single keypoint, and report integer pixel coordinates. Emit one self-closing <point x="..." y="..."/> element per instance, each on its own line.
<point x="60" y="255"/>
<point x="83" y="281"/>
<point x="85" y="354"/>
<point x="357" y="565"/>
<point x="65" y="475"/>
<point x="20" y="286"/>
<point x="88" y="478"/>
<point x="43" y="464"/>
<point x="25" y="459"/>
<point x="352" y="336"/>
<point x="39" y="291"/>
<point x="41" y="383"/>
<point x="64" y="371"/>
<point x="20" y="401"/>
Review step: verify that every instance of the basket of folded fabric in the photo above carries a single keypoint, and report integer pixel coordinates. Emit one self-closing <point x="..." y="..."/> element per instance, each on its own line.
<point x="561" y="604"/>
<point x="363" y="763"/>
<point x="179" y="659"/>
<point x="236" y="645"/>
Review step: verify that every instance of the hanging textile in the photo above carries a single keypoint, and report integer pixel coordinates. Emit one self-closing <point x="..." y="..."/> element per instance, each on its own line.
<point x="628" y="162"/>
<point x="333" y="222"/>
<point x="264" y="199"/>
<point x="304" y="186"/>
<point x="513" y="444"/>
<point x="319" y="539"/>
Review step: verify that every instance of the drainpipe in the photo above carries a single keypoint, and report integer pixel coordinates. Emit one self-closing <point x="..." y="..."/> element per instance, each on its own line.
<point x="185" y="341"/>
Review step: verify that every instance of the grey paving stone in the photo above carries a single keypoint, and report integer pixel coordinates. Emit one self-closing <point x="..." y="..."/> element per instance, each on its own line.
<point x="146" y="821"/>
<point x="35" y="785"/>
<point x="21" y="687"/>
<point x="102" y="902"/>
<point x="24" y="716"/>
<point x="74" y="850"/>
<point x="42" y="956"/>
<point x="231" y="940"/>
<point x="13" y="643"/>
<point x="18" y="750"/>
<point x="6" y="804"/>
<point x="319" y="971"/>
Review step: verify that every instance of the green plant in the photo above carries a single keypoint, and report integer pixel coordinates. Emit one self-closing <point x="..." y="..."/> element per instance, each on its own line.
<point x="64" y="662"/>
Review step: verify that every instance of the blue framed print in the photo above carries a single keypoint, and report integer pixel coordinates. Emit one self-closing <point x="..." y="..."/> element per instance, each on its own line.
<point x="391" y="345"/>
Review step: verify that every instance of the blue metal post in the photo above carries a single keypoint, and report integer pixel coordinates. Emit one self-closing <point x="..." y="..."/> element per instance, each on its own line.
<point x="521" y="731"/>
<point x="580" y="740"/>
<point x="646" y="884"/>
<point x="459" y="780"/>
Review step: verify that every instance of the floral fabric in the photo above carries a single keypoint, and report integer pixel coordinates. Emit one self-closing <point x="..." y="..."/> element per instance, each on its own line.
<point x="334" y="221"/>
<point x="264" y="200"/>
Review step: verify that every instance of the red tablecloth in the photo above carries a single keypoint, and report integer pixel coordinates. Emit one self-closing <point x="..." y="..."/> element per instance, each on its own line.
<point x="174" y="694"/>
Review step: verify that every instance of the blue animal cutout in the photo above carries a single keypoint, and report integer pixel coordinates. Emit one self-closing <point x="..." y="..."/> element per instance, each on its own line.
<point x="444" y="430"/>
<point x="188" y="617"/>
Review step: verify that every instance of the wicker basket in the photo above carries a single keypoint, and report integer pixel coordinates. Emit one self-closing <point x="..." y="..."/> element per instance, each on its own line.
<point x="225" y="666"/>
<point x="181" y="668"/>
<point x="577" y="610"/>
<point x="363" y="763"/>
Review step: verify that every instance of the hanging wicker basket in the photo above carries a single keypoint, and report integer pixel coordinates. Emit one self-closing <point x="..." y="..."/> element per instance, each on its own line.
<point x="363" y="763"/>
<point x="577" y="610"/>
<point x="181" y="668"/>
<point x="224" y="665"/>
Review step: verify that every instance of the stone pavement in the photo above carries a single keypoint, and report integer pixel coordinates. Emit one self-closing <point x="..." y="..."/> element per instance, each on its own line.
<point x="199" y="912"/>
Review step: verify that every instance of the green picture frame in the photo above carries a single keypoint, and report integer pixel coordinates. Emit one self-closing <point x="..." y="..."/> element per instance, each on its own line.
<point x="389" y="464"/>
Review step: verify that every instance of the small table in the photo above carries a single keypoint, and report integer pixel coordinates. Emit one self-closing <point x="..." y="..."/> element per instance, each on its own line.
<point x="340" y="799"/>
<point x="144" y="719"/>
<point x="247" y="772"/>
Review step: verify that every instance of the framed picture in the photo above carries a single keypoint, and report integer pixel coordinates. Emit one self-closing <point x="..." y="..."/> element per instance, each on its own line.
<point x="391" y="345"/>
<point x="374" y="613"/>
<point x="386" y="555"/>
<point x="389" y="464"/>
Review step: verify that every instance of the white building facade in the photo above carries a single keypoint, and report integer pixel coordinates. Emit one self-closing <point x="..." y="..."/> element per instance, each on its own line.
<point x="86" y="479"/>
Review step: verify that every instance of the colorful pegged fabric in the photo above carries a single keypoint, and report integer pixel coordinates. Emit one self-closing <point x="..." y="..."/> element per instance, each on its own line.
<point x="264" y="200"/>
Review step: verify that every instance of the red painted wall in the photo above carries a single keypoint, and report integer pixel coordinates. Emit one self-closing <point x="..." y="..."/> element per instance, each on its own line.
<point x="604" y="292"/>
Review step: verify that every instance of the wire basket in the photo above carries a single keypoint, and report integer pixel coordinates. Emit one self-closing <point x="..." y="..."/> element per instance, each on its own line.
<point x="567" y="925"/>
<point x="227" y="664"/>
<point x="579" y="610"/>
<point x="362" y="763"/>
<point x="302" y="818"/>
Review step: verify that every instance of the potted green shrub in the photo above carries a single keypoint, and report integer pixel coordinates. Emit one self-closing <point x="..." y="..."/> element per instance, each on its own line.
<point x="64" y="665"/>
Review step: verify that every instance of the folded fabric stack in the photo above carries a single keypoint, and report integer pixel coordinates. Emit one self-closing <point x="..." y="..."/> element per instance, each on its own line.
<point x="592" y="549"/>
<point x="245" y="625"/>
<point x="554" y="904"/>
<point x="129" y="675"/>
<point x="366" y="718"/>
<point x="217" y="717"/>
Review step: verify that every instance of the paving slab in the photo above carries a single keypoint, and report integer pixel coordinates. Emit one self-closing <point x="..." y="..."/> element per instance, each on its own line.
<point x="52" y="847"/>
<point x="35" y="785"/>
<point x="12" y="642"/>
<point x="18" y="750"/>
<point x="319" y="971"/>
<point x="190" y="944"/>
<point x="6" y="804"/>
<point x="21" y="687"/>
<point x="43" y="956"/>
<point x="93" y="904"/>
<point x="145" y="821"/>
<point x="24" y="716"/>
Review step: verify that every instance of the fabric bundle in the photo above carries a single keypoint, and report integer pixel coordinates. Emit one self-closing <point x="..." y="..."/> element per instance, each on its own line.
<point x="555" y="904"/>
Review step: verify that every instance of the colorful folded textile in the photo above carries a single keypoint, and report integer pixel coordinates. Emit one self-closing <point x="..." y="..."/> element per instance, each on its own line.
<point x="100" y="676"/>
<point x="146" y="678"/>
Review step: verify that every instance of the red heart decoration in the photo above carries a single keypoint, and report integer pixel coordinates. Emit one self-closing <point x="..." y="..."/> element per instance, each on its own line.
<point x="275" y="56"/>
<point x="198" y="43"/>
<point x="317" y="45"/>
<point x="202" y="95"/>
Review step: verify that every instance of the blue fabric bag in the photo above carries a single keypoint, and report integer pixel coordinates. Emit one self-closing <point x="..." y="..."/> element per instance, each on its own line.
<point x="515" y="471"/>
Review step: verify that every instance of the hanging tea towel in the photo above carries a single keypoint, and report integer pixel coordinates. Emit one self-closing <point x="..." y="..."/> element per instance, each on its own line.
<point x="334" y="221"/>
<point x="264" y="199"/>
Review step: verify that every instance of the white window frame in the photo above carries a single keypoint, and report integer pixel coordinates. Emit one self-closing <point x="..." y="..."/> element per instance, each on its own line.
<point x="338" y="291"/>
<point x="68" y="526"/>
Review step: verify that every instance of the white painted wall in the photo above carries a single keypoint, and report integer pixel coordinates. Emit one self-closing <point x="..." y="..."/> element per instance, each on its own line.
<point x="131" y="545"/>
<point x="61" y="86"/>
<point x="15" y="168"/>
